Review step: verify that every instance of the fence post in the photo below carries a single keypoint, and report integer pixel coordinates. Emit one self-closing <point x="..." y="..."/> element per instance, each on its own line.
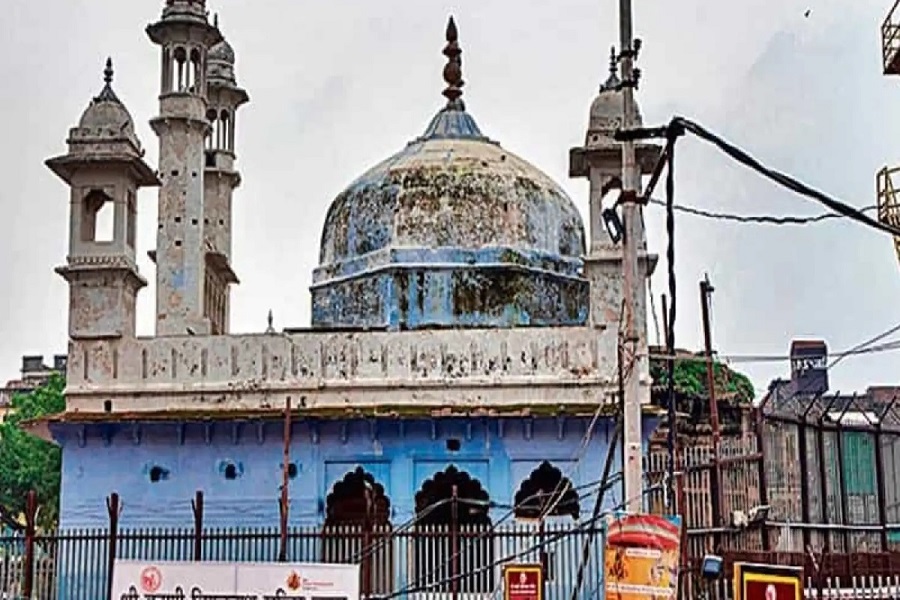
<point x="114" y="509"/>
<point x="454" y="550"/>
<point x="30" y="531"/>
<point x="197" y="508"/>
<point x="367" y="546"/>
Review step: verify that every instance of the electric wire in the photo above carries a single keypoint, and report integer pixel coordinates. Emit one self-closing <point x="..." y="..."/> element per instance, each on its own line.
<point x="785" y="180"/>
<point x="488" y="531"/>
<point x="409" y="589"/>
<point x="759" y="219"/>
<point x="763" y="358"/>
<point x="420" y="515"/>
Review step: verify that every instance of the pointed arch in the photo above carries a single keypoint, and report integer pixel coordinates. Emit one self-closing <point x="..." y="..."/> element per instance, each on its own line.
<point x="452" y="508"/>
<point x="358" y="529"/>
<point x="547" y="493"/>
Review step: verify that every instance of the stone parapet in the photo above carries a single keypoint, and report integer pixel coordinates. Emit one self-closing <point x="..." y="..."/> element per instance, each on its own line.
<point x="344" y="370"/>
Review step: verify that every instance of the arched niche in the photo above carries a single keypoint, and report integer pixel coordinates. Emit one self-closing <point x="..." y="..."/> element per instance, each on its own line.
<point x="546" y="493"/>
<point x="434" y="500"/>
<point x="454" y="532"/>
<point x="358" y="500"/>
<point x="358" y="529"/>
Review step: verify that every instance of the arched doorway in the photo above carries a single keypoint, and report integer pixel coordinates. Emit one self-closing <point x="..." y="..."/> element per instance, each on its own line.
<point x="454" y="534"/>
<point x="358" y="529"/>
<point x="547" y="493"/>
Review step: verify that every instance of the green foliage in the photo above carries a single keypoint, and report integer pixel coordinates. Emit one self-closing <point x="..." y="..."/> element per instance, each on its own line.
<point x="27" y="463"/>
<point x="691" y="380"/>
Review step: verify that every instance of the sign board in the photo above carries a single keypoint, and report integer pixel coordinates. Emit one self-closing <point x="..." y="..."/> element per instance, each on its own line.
<point x="642" y="556"/>
<point x="143" y="580"/>
<point x="767" y="582"/>
<point x="523" y="582"/>
<point x="809" y="367"/>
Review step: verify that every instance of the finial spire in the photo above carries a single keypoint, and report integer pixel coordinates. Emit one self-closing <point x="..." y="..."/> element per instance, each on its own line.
<point x="270" y="320"/>
<point x="453" y="68"/>
<point x="108" y="71"/>
<point x="107" y="94"/>
<point x="216" y="20"/>
<point x="612" y="82"/>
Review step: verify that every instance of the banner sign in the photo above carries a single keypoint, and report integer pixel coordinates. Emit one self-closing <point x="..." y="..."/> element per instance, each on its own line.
<point x="141" y="580"/>
<point x="642" y="556"/>
<point x="523" y="582"/>
<point x="767" y="582"/>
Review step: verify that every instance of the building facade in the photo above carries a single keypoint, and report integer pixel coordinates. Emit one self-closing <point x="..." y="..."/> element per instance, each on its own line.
<point x="463" y="337"/>
<point x="34" y="373"/>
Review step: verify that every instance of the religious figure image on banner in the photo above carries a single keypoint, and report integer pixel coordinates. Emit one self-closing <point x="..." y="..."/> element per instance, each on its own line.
<point x="769" y="582"/>
<point x="642" y="556"/>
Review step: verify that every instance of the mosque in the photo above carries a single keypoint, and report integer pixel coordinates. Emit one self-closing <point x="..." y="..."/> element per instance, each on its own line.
<point x="463" y="337"/>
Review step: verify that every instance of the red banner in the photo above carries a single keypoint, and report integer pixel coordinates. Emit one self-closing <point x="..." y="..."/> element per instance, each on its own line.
<point x="523" y="582"/>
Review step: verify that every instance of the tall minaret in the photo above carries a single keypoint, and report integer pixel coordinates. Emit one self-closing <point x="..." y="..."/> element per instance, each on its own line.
<point x="220" y="181"/>
<point x="104" y="168"/>
<point x="185" y="37"/>
<point x="600" y="161"/>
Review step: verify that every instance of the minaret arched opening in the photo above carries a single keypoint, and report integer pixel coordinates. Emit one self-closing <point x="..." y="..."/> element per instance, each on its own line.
<point x="180" y="70"/>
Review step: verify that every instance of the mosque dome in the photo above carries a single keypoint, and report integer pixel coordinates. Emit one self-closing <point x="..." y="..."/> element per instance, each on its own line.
<point x="220" y="63"/>
<point x="222" y="53"/>
<point x="607" y="110"/>
<point x="452" y="230"/>
<point x="106" y="113"/>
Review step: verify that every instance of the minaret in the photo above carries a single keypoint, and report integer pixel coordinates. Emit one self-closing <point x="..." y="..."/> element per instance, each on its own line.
<point x="220" y="181"/>
<point x="600" y="161"/>
<point x="104" y="168"/>
<point x="185" y="36"/>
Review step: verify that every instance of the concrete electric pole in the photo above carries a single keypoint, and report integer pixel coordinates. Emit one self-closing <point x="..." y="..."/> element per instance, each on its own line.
<point x="631" y="215"/>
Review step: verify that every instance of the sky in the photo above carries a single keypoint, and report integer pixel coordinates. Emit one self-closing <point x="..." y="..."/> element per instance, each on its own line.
<point x="337" y="86"/>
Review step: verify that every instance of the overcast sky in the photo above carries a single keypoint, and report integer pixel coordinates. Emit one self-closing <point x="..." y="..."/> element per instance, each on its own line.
<point x="336" y="86"/>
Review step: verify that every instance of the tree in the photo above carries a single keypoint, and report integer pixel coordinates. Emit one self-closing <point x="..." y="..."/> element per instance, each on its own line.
<point x="26" y="462"/>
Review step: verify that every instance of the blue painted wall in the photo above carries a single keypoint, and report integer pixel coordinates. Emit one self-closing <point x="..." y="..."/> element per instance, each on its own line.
<point x="401" y="455"/>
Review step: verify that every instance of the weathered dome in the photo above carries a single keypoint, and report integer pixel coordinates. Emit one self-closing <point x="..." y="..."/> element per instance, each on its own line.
<point x="220" y="64"/>
<point x="491" y="239"/>
<point x="222" y="53"/>
<point x="453" y="188"/>
<point x="607" y="110"/>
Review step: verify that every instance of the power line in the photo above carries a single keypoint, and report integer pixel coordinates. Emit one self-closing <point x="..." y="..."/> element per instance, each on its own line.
<point x="602" y="487"/>
<point x="761" y="358"/>
<point x="759" y="219"/>
<point x="410" y="589"/>
<point x="785" y="180"/>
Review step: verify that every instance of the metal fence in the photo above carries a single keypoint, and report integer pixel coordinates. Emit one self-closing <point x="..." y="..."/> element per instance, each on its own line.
<point x="830" y="588"/>
<point x="423" y="562"/>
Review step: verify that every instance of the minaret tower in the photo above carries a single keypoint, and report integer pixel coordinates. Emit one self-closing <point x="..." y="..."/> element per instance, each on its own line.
<point x="600" y="161"/>
<point x="185" y="37"/>
<point x="104" y="168"/>
<point x="220" y="181"/>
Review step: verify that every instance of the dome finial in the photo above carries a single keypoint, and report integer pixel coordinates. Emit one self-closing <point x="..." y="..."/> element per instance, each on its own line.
<point x="108" y="71"/>
<point x="107" y="94"/>
<point x="453" y="68"/>
<point x="612" y="82"/>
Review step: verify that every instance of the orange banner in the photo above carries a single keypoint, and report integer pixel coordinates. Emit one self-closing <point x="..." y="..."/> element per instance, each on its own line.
<point x="642" y="553"/>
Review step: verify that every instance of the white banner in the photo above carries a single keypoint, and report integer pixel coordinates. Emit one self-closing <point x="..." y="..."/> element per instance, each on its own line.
<point x="140" y="580"/>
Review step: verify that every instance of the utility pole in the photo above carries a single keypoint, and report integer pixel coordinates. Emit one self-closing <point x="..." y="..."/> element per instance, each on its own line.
<point x="706" y="290"/>
<point x="631" y="214"/>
